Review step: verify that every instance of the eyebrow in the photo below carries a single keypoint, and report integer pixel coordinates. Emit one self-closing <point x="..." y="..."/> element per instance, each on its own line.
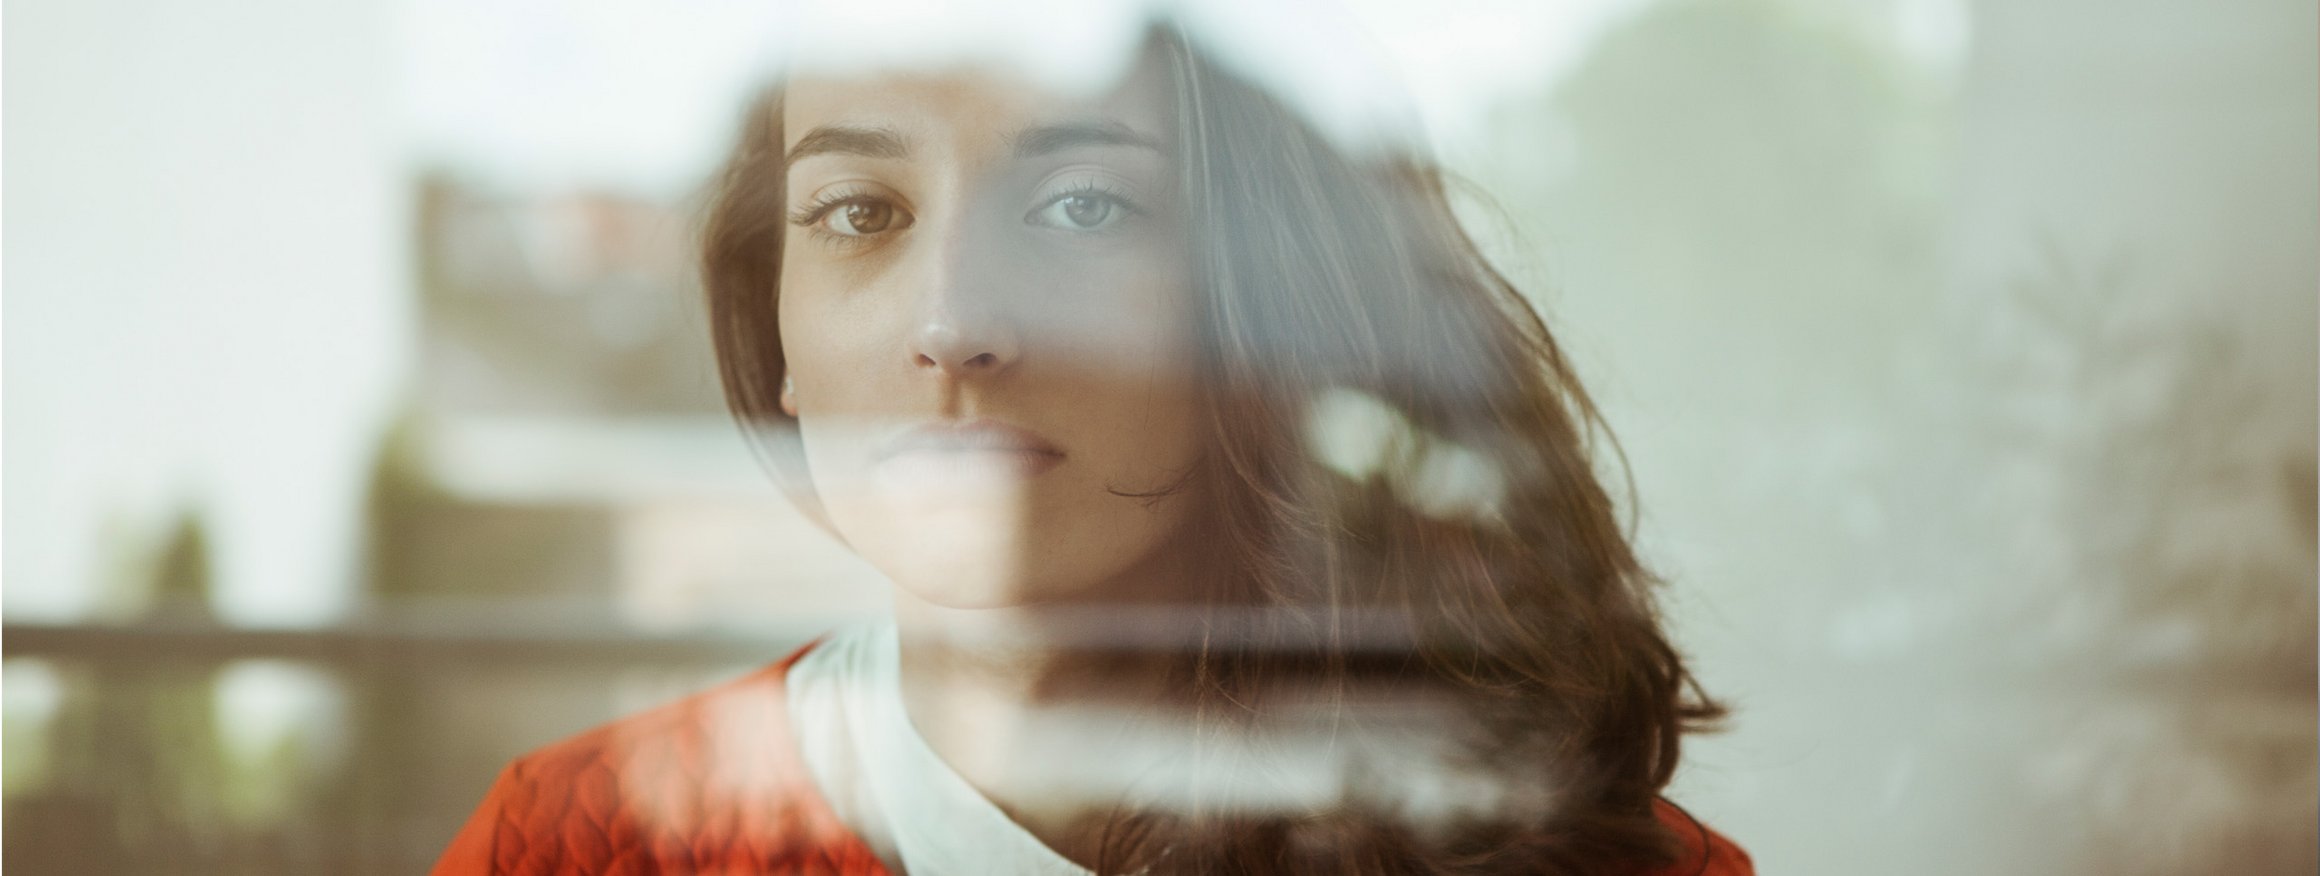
<point x="842" y="140"/>
<point x="1028" y="143"/>
<point x="1050" y="139"/>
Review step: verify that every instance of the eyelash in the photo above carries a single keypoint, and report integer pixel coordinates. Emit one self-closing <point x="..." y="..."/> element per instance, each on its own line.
<point x="809" y="215"/>
<point x="1091" y="188"/>
<point x="1085" y="188"/>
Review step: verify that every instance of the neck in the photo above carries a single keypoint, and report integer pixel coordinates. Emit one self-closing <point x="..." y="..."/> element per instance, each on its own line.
<point x="1049" y="710"/>
<point x="1026" y="657"/>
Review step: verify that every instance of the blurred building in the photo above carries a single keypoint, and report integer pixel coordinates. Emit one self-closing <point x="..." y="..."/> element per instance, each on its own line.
<point x="563" y="525"/>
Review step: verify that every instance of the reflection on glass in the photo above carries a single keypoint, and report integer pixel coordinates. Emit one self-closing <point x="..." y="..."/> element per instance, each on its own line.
<point x="1962" y="351"/>
<point x="1238" y="514"/>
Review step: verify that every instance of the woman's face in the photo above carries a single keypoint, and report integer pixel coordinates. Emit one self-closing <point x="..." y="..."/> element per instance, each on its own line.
<point x="986" y="314"/>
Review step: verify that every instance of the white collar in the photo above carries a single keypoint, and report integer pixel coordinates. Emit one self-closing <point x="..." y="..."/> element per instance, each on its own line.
<point x="884" y="781"/>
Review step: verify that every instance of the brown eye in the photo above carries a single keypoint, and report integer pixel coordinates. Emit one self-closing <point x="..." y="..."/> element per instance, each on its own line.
<point x="862" y="218"/>
<point x="851" y="214"/>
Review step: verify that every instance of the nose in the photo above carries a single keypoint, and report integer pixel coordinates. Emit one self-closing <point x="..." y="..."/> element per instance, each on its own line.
<point x="962" y="347"/>
<point x="962" y="326"/>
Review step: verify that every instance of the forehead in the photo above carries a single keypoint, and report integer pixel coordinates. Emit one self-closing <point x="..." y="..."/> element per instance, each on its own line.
<point x="969" y="104"/>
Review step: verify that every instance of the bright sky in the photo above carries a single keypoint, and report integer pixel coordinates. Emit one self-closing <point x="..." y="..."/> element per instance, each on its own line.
<point x="545" y="92"/>
<point x="209" y="267"/>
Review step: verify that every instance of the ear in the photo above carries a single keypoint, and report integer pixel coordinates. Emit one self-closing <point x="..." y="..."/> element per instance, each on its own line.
<point x="788" y="397"/>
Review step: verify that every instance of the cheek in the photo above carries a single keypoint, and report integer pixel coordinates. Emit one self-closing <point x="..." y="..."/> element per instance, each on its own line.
<point x="1123" y="332"/>
<point x="1136" y="404"/>
<point x="832" y="338"/>
<point x="1126" y="320"/>
<point x="830" y="351"/>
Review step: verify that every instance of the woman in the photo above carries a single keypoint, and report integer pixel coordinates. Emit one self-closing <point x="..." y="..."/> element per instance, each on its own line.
<point x="1241" y="518"/>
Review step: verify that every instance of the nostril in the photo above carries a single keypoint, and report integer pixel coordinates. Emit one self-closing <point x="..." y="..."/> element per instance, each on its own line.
<point x="979" y="361"/>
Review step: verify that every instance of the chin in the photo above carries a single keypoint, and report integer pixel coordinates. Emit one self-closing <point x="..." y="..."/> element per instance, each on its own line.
<point x="971" y="558"/>
<point x="970" y="583"/>
<point x="961" y="588"/>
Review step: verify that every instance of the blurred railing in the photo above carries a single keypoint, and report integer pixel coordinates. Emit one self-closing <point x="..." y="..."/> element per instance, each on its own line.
<point x="190" y="746"/>
<point x="393" y="646"/>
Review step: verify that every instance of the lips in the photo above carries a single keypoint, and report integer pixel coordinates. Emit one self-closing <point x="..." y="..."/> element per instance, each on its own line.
<point x="978" y="436"/>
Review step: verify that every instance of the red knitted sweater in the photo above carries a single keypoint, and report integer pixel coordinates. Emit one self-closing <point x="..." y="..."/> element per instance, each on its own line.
<point x="713" y="784"/>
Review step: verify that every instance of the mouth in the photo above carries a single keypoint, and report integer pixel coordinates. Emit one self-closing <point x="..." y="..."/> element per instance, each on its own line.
<point x="980" y="438"/>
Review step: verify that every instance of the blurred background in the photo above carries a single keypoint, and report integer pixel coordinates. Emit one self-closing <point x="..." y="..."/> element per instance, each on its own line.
<point x="362" y="432"/>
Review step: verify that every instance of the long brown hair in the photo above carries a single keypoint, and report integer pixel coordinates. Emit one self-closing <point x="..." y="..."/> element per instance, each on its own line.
<point x="1333" y="283"/>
